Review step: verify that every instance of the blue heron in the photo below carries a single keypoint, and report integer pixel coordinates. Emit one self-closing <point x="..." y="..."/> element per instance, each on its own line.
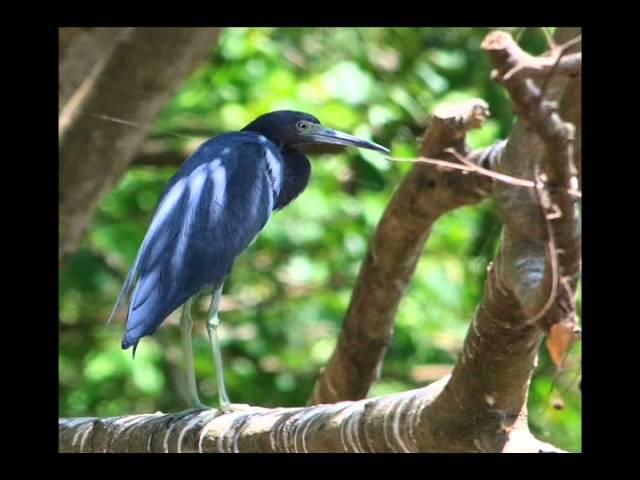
<point x="209" y="213"/>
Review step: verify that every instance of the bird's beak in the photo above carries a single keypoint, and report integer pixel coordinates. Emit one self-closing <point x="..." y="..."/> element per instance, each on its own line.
<point x="320" y="134"/>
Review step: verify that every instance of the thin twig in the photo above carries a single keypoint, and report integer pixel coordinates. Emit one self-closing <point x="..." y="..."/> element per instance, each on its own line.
<point x="550" y="42"/>
<point x="518" y="182"/>
<point x="560" y="52"/>
<point x="570" y="43"/>
<point x="538" y="65"/>
<point x="136" y="125"/>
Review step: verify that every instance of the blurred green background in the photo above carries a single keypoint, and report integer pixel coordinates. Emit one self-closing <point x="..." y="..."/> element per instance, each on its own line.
<point x="284" y="302"/>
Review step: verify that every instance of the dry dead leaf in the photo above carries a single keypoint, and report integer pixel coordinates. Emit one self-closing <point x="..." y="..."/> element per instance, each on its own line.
<point x="562" y="336"/>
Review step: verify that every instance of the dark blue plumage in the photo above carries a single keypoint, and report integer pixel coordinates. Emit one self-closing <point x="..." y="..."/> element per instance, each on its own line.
<point x="210" y="212"/>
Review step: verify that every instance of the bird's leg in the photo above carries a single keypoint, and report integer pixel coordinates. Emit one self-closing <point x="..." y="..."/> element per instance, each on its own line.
<point x="186" y="326"/>
<point x="212" y="327"/>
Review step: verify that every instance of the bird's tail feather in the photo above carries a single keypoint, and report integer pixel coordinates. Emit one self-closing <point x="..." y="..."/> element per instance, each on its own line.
<point x="125" y="292"/>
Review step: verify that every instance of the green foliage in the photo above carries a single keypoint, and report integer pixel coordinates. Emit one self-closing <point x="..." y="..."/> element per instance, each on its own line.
<point x="284" y="303"/>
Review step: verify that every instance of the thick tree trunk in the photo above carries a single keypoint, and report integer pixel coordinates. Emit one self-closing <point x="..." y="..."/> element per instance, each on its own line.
<point x="134" y="82"/>
<point x="80" y="49"/>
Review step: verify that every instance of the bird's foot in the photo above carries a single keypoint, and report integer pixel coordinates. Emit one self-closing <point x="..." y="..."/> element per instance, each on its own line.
<point x="234" y="407"/>
<point x="190" y="411"/>
<point x="199" y="407"/>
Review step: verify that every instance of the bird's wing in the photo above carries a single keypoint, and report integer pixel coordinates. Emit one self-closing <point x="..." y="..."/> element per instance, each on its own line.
<point x="210" y="212"/>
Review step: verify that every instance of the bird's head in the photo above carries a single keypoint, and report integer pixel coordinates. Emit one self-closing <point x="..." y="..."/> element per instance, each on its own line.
<point x="288" y="129"/>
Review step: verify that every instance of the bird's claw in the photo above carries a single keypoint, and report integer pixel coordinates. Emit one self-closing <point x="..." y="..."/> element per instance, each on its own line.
<point x="190" y="411"/>
<point x="234" y="407"/>
<point x="223" y="409"/>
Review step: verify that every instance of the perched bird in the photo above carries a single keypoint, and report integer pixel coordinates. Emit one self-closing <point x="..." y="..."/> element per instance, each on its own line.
<point x="209" y="213"/>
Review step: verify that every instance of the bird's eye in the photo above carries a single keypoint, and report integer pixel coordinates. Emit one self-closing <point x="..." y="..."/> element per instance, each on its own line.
<point x="302" y="125"/>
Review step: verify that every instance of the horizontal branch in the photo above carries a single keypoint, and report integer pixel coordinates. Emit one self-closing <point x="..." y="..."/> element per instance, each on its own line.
<point x="387" y="424"/>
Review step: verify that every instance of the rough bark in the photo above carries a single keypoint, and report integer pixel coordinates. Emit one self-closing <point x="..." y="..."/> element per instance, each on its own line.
<point x="543" y="248"/>
<point x="134" y="82"/>
<point x="368" y="326"/>
<point x="424" y="195"/>
<point x="391" y="424"/>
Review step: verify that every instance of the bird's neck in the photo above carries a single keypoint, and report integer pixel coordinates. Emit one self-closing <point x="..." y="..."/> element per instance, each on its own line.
<point x="297" y="170"/>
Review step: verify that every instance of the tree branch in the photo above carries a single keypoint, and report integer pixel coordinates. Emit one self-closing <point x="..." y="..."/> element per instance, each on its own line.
<point x="493" y="373"/>
<point x="140" y="76"/>
<point x="424" y="195"/>
<point x="79" y="50"/>
<point x="386" y="424"/>
<point x="545" y="265"/>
